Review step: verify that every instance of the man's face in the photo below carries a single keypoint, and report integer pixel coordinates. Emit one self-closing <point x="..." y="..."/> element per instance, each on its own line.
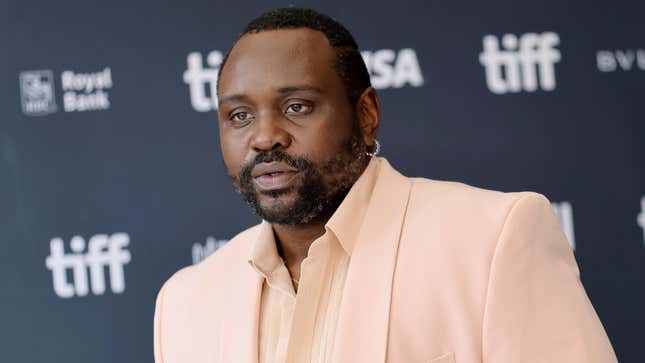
<point x="289" y="137"/>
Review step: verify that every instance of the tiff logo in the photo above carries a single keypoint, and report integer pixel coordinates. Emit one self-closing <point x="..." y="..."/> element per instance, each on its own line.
<point x="103" y="251"/>
<point x="202" y="82"/>
<point x="200" y="252"/>
<point x="564" y="212"/>
<point x="524" y="63"/>
<point x="640" y="219"/>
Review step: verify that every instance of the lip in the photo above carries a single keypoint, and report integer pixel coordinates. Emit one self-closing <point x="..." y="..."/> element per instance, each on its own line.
<point x="274" y="175"/>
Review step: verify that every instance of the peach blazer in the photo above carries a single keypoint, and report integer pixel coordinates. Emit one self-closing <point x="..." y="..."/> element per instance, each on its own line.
<point x="441" y="272"/>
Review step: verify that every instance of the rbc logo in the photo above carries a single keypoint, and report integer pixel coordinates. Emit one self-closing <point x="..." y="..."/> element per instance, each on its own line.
<point x="103" y="251"/>
<point x="202" y="82"/>
<point x="37" y="92"/>
<point x="524" y="64"/>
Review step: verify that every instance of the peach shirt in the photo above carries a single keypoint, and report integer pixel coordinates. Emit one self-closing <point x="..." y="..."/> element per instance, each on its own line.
<point x="301" y="327"/>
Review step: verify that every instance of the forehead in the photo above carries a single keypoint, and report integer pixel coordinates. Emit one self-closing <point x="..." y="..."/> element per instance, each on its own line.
<point x="277" y="58"/>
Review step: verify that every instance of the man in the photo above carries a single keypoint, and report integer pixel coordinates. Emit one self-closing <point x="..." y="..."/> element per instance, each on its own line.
<point x="354" y="262"/>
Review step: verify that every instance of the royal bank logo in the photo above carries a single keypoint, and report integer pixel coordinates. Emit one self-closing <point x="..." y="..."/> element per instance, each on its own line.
<point x="82" y="91"/>
<point x="620" y="60"/>
<point x="201" y="79"/>
<point x="564" y="212"/>
<point x="525" y="63"/>
<point x="37" y="92"/>
<point x="201" y="251"/>
<point x="86" y="91"/>
<point x="393" y="69"/>
<point x="88" y="267"/>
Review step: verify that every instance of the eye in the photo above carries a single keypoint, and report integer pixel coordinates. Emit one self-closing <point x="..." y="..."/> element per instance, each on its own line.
<point x="240" y="119"/>
<point x="240" y="116"/>
<point x="298" y="108"/>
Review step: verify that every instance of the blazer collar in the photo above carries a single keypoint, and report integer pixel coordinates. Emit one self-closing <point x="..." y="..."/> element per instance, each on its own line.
<point x="346" y="222"/>
<point x="363" y="323"/>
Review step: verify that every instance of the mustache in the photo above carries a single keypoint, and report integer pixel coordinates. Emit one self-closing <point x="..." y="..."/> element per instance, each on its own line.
<point x="299" y="162"/>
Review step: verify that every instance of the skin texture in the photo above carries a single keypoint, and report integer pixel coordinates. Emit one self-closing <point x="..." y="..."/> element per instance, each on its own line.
<point x="280" y="98"/>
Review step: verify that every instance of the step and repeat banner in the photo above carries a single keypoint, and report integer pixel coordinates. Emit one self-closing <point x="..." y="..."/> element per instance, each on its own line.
<point x="111" y="175"/>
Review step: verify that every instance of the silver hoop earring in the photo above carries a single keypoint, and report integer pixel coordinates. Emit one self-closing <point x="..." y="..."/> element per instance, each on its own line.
<point x="377" y="148"/>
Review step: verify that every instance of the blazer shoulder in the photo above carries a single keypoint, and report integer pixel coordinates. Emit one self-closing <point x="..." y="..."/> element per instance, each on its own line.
<point x="463" y="223"/>
<point x="465" y="202"/>
<point x="443" y="191"/>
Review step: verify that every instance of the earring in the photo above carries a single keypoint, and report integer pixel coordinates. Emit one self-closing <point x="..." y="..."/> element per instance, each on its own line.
<point x="376" y="147"/>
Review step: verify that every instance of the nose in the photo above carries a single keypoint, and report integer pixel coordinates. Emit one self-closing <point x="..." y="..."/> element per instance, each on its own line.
<point x="269" y="134"/>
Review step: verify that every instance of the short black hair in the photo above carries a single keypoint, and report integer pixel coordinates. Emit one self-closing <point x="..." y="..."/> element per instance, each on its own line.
<point x="349" y="63"/>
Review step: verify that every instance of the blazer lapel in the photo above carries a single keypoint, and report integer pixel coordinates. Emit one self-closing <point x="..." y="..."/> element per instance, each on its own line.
<point x="362" y="331"/>
<point x="238" y="334"/>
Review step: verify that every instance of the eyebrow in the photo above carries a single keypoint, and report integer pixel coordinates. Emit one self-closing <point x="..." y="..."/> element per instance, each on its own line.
<point x="285" y="89"/>
<point x="288" y="89"/>
<point x="231" y="98"/>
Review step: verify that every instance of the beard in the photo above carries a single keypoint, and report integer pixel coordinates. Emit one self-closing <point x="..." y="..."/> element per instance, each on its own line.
<point x="323" y="185"/>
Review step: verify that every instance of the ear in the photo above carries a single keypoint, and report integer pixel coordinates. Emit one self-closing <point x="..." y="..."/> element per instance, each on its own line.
<point x="369" y="115"/>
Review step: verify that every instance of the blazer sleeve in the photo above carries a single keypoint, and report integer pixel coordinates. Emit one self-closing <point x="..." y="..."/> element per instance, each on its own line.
<point x="536" y="307"/>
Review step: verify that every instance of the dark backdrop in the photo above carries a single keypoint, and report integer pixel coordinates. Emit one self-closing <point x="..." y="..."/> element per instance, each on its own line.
<point x="101" y="136"/>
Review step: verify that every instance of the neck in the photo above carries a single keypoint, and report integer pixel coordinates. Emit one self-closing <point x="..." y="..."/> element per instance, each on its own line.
<point x="293" y="241"/>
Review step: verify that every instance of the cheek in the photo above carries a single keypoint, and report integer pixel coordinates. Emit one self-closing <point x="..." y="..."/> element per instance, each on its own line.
<point x="232" y="153"/>
<point x="327" y="141"/>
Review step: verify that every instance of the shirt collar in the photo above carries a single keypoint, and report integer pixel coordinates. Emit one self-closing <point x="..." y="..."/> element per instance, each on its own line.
<point x="264" y="255"/>
<point x="345" y="223"/>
